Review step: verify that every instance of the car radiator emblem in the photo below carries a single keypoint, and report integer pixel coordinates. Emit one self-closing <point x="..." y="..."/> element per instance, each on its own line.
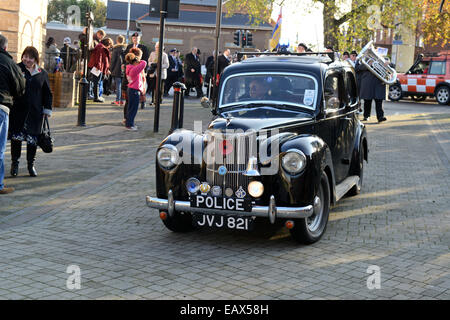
<point x="240" y="193"/>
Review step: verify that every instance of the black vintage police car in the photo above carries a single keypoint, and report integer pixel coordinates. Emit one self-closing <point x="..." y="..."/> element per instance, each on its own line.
<point x="285" y="144"/>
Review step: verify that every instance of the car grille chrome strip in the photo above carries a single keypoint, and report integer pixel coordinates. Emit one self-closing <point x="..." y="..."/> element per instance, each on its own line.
<point x="235" y="161"/>
<point x="272" y="212"/>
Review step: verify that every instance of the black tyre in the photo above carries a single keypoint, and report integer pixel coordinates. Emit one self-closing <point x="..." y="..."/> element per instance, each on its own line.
<point x="418" y="98"/>
<point x="311" y="229"/>
<point x="443" y="95"/>
<point x="360" y="172"/>
<point x="180" y="222"/>
<point x="395" y="92"/>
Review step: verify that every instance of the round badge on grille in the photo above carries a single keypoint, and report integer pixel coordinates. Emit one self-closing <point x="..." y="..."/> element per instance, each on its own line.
<point x="216" y="191"/>
<point x="205" y="187"/>
<point x="222" y="170"/>
<point x="228" y="192"/>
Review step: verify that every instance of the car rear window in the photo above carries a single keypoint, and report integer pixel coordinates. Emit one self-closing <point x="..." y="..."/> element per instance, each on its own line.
<point x="291" y="89"/>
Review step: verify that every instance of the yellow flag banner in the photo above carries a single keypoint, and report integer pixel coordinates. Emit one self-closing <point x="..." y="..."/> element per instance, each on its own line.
<point x="276" y="34"/>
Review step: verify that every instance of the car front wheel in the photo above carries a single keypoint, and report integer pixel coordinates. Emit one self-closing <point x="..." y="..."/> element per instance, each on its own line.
<point x="395" y="92"/>
<point x="443" y="95"/>
<point x="311" y="229"/>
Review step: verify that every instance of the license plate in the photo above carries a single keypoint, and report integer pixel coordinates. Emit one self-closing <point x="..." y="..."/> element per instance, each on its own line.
<point x="219" y="221"/>
<point x="209" y="202"/>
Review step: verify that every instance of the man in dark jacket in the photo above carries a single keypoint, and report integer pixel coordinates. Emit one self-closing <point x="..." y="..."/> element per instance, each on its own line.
<point x="12" y="86"/>
<point x="172" y="71"/>
<point x="224" y="61"/>
<point x="192" y="73"/>
<point x="135" y="44"/>
<point x="371" y="88"/>
<point x="68" y="54"/>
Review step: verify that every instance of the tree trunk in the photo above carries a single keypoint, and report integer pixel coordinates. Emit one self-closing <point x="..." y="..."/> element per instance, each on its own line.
<point x="330" y="25"/>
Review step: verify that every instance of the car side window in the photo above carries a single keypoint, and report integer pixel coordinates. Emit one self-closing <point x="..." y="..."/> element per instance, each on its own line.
<point x="437" y="67"/>
<point x="421" y="68"/>
<point x="333" y="96"/>
<point x="351" y="88"/>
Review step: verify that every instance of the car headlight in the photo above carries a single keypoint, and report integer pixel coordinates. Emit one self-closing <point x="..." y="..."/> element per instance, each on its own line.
<point x="294" y="161"/>
<point x="255" y="189"/>
<point x="168" y="156"/>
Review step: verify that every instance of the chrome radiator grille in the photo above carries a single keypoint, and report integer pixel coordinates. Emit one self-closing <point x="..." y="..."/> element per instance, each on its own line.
<point x="234" y="157"/>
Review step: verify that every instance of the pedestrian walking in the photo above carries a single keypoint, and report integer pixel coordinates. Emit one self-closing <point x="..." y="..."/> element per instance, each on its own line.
<point x="192" y="73"/>
<point x="209" y="78"/>
<point x="136" y="86"/>
<point x="12" y="87"/>
<point x="371" y="88"/>
<point x="164" y="66"/>
<point x="27" y="117"/>
<point x="99" y="62"/>
<point x="117" y="62"/>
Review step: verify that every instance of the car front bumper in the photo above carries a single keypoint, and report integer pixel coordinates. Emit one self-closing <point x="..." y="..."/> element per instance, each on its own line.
<point x="272" y="211"/>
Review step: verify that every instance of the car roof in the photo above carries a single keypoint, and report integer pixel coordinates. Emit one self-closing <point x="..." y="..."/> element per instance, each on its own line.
<point x="283" y="63"/>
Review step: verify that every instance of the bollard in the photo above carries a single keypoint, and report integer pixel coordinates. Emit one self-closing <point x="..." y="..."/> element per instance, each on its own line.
<point x="84" y="85"/>
<point x="178" y="106"/>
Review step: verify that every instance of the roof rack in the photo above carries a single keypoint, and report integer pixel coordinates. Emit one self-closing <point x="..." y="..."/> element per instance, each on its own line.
<point x="330" y="55"/>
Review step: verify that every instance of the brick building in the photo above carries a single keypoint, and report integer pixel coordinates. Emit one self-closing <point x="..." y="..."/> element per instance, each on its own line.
<point x="194" y="27"/>
<point x="22" y="22"/>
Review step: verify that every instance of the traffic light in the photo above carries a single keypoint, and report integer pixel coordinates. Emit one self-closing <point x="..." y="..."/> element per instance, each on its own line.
<point x="237" y="38"/>
<point x="249" y="39"/>
<point x="244" y="39"/>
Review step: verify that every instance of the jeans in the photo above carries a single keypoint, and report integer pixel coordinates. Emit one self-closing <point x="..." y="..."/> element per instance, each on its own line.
<point x="96" y="83"/>
<point x="133" y="105"/>
<point x="3" y="134"/>
<point x="118" y="81"/>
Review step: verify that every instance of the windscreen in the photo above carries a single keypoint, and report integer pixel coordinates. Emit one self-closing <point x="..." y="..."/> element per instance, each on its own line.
<point x="290" y="89"/>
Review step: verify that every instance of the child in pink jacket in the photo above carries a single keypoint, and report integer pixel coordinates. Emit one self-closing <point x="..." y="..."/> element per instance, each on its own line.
<point x="136" y="86"/>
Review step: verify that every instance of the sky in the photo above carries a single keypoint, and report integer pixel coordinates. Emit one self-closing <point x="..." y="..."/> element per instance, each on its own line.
<point x="302" y="22"/>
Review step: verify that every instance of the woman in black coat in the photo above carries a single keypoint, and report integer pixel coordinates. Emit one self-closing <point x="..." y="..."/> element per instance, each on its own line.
<point x="370" y="88"/>
<point x="25" y="120"/>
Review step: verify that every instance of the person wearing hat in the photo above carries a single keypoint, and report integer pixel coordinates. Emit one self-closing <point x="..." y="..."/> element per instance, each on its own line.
<point x="135" y="38"/>
<point x="172" y="71"/>
<point x="301" y="48"/>
<point x="68" y="55"/>
<point x="192" y="73"/>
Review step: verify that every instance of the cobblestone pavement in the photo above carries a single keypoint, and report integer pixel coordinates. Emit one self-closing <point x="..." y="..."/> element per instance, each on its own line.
<point x="93" y="215"/>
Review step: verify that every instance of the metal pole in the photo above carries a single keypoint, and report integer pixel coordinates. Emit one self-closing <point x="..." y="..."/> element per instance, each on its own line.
<point x="128" y="20"/>
<point x="216" y="53"/>
<point x="84" y="83"/>
<point x="162" y="19"/>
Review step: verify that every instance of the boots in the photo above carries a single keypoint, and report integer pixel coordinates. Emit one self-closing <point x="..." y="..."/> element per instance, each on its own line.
<point x="31" y="157"/>
<point x="16" y="149"/>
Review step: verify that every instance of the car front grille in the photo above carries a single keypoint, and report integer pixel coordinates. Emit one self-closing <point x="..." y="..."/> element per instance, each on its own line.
<point x="239" y="147"/>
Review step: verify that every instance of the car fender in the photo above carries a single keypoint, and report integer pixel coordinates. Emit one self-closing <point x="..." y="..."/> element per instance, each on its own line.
<point x="319" y="160"/>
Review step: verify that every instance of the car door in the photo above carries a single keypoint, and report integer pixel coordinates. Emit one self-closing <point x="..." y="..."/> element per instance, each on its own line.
<point x="334" y="126"/>
<point x="436" y="74"/>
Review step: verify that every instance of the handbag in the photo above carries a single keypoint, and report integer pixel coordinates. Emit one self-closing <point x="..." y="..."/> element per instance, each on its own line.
<point x="45" y="141"/>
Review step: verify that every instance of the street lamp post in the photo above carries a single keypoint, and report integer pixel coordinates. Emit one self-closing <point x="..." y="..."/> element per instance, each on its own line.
<point x="163" y="15"/>
<point x="84" y="83"/>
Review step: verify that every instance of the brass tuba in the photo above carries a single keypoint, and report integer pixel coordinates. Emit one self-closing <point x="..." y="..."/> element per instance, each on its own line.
<point x="376" y="64"/>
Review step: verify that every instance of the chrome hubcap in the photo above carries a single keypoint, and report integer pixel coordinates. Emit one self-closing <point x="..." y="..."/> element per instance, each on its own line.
<point x="442" y="95"/>
<point x="394" y="92"/>
<point x="314" y="220"/>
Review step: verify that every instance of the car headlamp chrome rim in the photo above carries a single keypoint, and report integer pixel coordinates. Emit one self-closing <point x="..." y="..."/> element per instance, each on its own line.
<point x="193" y="185"/>
<point x="255" y="189"/>
<point x="294" y="161"/>
<point x="168" y="156"/>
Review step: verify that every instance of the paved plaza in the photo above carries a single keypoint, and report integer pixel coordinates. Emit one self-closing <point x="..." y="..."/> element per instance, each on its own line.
<point x="87" y="209"/>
